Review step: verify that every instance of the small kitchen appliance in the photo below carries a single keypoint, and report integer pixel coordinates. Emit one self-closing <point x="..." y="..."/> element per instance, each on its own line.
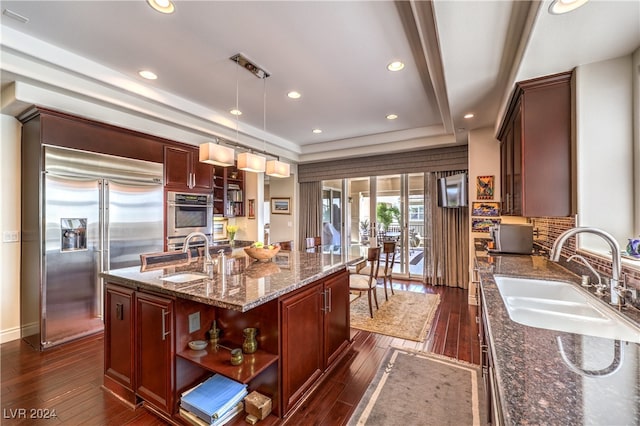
<point x="516" y="238"/>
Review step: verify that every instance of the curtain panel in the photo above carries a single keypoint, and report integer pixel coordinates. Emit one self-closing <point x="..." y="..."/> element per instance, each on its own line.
<point x="449" y="242"/>
<point x="310" y="209"/>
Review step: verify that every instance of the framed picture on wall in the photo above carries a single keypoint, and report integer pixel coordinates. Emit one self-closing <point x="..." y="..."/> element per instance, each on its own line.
<point x="485" y="208"/>
<point x="484" y="185"/>
<point x="281" y="206"/>
<point x="482" y="224"/>
<point x="251" y="214"/>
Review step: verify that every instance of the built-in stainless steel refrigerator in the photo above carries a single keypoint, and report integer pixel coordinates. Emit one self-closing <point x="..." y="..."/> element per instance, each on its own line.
<point x="98" y="212"/>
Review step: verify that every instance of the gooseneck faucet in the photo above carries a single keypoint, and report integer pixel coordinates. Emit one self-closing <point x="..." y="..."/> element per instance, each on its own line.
<point x="207" y="255"/>
<point x="554" y="255"/>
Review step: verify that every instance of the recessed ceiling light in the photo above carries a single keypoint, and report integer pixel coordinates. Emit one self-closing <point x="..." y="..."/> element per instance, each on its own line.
<point x="294" y="95"/>
<point x="558" y="7"/>
<point x="235" y="112"/>
<point x="162" y="6"/>
<point x="148" y="75"/>
<point x="395" y="66"/>
<point x="470" y="115"/>
<point x="317" y="131"/>
<point x="392" y="117"/>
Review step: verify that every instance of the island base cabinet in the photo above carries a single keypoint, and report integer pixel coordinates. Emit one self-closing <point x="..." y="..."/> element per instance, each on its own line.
<point x="139" y="348"/>
<point x="314" y="330"/>
<point x="155" y="353"/>
<point x="119" y="365"/>
<point x="336" y="317"/>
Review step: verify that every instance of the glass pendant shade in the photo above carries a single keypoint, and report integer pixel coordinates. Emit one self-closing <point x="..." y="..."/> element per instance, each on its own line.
<point x="279" y="169"/>
<point x="216" y="154"/>
<point x="251" y="162"/>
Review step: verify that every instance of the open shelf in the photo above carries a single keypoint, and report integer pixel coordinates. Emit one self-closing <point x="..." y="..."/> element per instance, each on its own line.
<point x="219" y="361"/>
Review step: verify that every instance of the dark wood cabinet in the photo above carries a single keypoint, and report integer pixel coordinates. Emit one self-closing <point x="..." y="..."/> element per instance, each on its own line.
<point x="302" y="343"/>
<point x="336" y="317"/>
<point x="184" y="171"/>
<point x="139" y="347"/>
<point x="119" y="361"/>
<point x="147" y="357"/>
<point x="315" y="330"/>
<point x="535" y="139"/>
<point x="155" y="350"/>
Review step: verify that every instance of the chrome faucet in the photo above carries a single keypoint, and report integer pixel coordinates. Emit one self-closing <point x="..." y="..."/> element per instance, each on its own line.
<point x="207" y="255"/>
<point x="554" y="255"/>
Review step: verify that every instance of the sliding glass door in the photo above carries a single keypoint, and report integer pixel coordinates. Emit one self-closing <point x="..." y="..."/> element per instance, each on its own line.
<point x="333" y="232"/>
<point x="416" y="235"/>
<point x="387" y="208"/>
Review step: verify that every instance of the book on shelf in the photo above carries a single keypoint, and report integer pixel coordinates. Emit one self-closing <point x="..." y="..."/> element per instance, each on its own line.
<point x="212" y="398"/>
<point x="224" y="419"/>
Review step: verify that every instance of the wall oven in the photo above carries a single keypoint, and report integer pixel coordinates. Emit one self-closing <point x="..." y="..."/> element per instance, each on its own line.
<point x="188" y="213"/>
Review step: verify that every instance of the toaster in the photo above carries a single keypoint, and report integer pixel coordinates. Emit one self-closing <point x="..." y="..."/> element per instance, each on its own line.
<point x="514" y="238"/>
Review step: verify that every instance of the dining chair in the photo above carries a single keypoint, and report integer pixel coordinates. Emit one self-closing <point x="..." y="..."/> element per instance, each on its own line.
<point x="313" y="244"/>
<point x="389" y="256"/>
<point x="367" y="282"/>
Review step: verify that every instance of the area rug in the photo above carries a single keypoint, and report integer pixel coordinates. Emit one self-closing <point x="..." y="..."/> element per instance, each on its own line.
<point x="406" y="315"/>
<point x="418" y="388"/>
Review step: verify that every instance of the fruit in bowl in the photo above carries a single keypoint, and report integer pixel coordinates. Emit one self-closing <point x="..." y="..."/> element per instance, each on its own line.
<point x="261" y="252"/>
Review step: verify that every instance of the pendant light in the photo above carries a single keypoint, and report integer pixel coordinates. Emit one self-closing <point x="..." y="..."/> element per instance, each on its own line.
<point x="277" y="168"/>
<point x="250" y="162"/>
<point x="216" y="154"/>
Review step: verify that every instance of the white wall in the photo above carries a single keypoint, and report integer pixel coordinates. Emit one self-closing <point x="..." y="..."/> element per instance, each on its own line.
<point x="10" y="130"/>
<point x="283" y="227"/>
<point x="604" y="148"/>
<point x="484" y="160"/>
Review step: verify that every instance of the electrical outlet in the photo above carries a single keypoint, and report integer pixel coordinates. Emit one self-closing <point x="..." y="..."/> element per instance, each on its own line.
<point x="10" y="236"/>
<point x="194" y="322"/>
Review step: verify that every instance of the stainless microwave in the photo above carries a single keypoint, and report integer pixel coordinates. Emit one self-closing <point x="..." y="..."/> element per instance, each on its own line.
<point x="187" y="213"/>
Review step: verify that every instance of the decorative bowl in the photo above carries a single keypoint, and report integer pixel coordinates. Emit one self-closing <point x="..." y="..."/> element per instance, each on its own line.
<point x="261" y="254"/>
<point x="198" y="345"/>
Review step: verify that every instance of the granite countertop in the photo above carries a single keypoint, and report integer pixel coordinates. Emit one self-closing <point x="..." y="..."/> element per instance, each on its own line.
<point x="535" y="385"/>
<point x="248" y="283"/>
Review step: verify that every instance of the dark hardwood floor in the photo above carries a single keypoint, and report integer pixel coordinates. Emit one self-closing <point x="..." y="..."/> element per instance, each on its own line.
<point x="66" y="381"/>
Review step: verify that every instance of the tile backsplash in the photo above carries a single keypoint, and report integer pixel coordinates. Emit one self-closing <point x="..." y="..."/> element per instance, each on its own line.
<point x="550" y="228"/>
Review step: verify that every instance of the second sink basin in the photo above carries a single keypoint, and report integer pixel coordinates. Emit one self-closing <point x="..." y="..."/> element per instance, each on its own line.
<point x="561" y="306"/>
<point x="184" y="277"/>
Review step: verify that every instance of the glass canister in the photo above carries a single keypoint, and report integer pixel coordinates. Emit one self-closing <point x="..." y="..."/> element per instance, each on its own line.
<point x="250" y="344"/>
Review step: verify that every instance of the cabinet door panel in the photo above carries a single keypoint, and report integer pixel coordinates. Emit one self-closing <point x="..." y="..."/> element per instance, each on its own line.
<point x="119" y="334"/>
<point x="203" y="173"/>
<point x="154" y="369"/>
<point x="302" y="343"/>
<point x="176" y="167"/>
<point x="337" y="316"/>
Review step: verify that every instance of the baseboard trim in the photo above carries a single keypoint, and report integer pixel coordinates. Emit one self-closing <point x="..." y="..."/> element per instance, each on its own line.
<point x="9" y="334"/>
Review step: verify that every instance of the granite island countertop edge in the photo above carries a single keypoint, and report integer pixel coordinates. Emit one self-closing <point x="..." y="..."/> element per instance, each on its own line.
<point x="150" y="280"/>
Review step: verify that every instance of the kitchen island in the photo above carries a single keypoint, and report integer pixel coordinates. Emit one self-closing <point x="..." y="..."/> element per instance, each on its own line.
<point x="299" y="302"/>
<point x="530" y="380"/>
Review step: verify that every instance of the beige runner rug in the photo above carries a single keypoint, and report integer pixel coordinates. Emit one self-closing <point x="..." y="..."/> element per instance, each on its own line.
<point x="414" y="388"/>
<point x="406" y="315"/>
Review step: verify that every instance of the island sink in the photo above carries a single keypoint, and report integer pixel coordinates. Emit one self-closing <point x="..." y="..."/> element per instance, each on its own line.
<point x="562" y="306"/>
<point x="184" y="277"/>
